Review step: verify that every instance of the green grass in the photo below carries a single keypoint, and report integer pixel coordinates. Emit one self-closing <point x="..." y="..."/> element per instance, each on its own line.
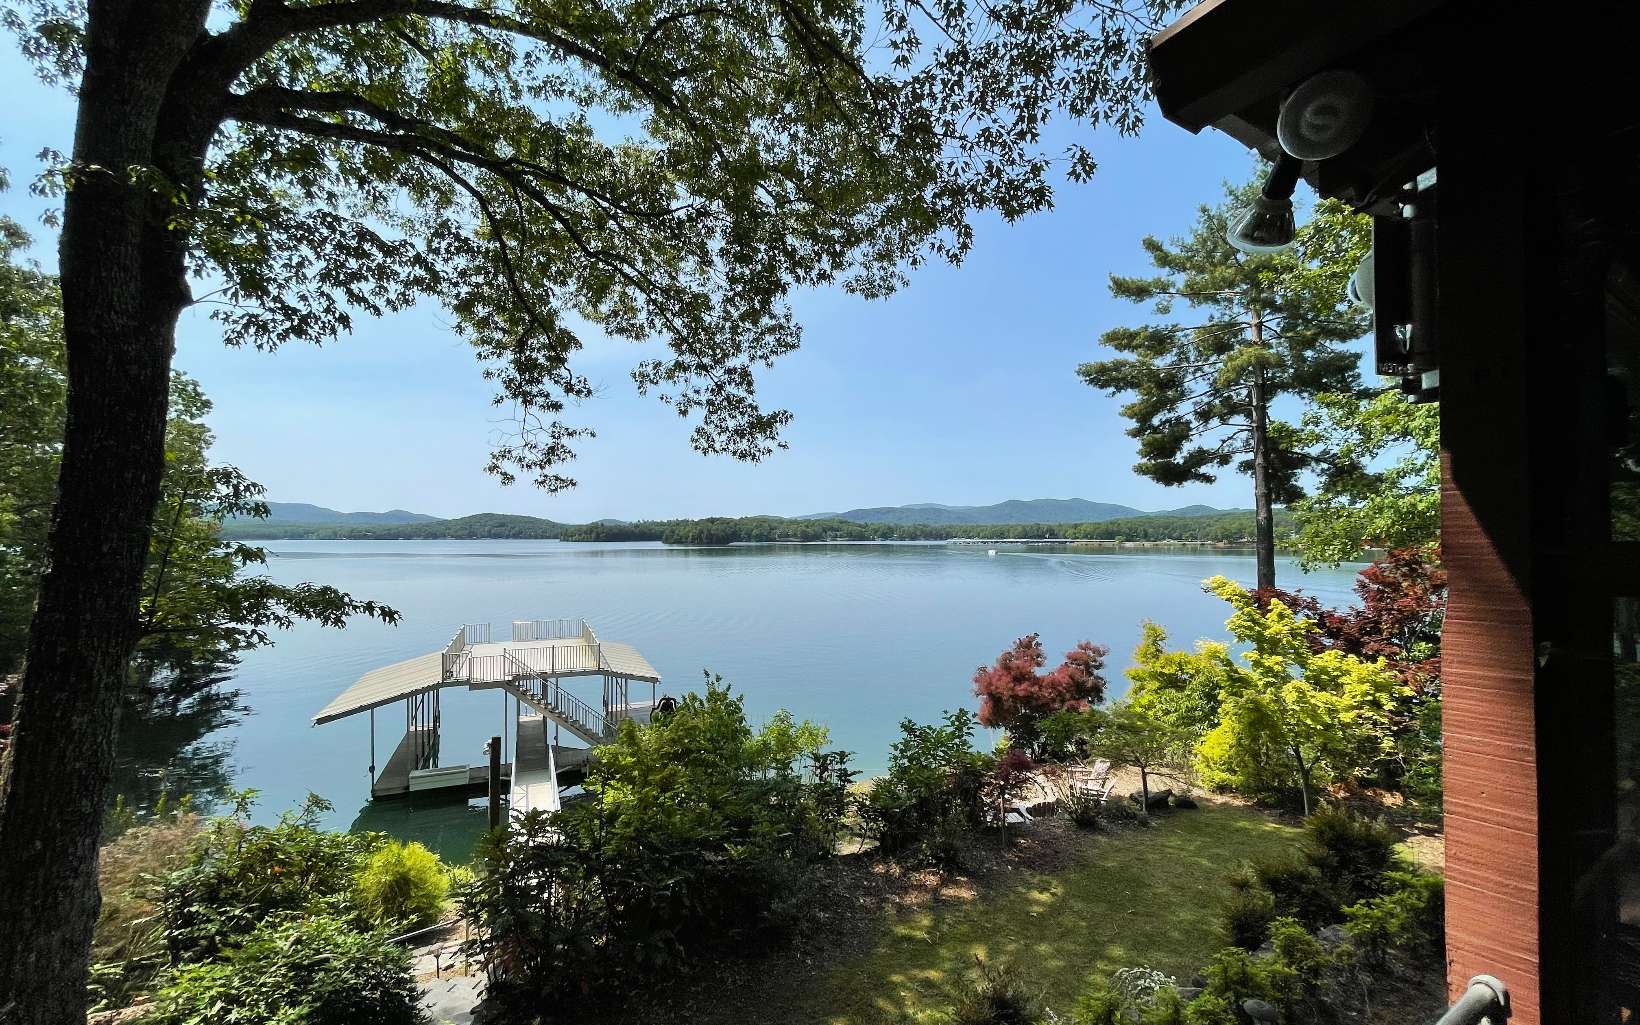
<point x="1145" y="897"/>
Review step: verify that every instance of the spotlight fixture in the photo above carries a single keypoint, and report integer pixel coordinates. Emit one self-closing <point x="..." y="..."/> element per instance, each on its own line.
<point x="1325" y="115"/>
<point x="1360" y="289"/>
<point x="1267" y="225"/>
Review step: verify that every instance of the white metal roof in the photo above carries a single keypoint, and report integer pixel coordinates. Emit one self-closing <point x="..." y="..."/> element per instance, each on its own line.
<point x="485" y="663"/>
<point x="384" y="685"/>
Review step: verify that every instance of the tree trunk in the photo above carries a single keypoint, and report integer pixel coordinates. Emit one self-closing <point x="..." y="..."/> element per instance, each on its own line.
<point x="123" y="288"/>
<point x="1264" y="526"/>
<point x="1144" y="790"/>
<point x="1303" y="780"/>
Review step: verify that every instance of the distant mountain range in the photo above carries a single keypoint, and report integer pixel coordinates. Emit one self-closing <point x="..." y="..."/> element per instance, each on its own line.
<point x="302" y="512"/>
<point x="1033" y="510"/>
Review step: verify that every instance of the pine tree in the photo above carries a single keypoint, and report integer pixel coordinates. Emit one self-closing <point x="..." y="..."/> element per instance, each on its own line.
<point x="1272" y="325"/>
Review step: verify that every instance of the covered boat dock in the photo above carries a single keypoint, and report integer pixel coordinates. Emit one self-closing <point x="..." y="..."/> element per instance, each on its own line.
<point x="530" y="670"/>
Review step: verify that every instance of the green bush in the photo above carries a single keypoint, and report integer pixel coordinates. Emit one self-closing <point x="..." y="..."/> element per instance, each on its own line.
<point x="239" y="876"/>
<point x="700" y="833"/>
<point x="1299" y="890"/>
<point x="314" y="971"/>
<point x="1346" y="859"/>
<point x="401" y="886"/>
<point x="1210" y="1009"/>
<point x="995" y="996"/>
<point x="1100" y="1005"/>
<point x="1235" y="975"/>
<point x="1247" y="917"/>
<point x="934" y="789"/>
<point x="1409" y="916"/>
<point x="1350" y="851"/>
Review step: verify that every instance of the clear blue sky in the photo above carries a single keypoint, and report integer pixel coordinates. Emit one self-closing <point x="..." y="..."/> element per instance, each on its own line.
<point x="960" y="389"/>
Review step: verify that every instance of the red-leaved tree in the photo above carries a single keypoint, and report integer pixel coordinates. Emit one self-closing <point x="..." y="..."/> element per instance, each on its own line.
<point x="1014" y="696"/>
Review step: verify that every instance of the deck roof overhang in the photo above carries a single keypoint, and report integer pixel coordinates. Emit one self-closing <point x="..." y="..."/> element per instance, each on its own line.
<point x="383" y="686"/>
<point x="1228" y="64"/>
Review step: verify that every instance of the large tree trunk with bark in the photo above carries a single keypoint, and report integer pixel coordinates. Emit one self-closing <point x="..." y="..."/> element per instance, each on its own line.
<point x="123" y="288"/>
<point x="1264" y="524"/>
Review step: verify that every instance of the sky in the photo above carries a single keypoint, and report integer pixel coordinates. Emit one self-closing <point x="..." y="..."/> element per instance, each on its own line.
<point x="959" y="389"/>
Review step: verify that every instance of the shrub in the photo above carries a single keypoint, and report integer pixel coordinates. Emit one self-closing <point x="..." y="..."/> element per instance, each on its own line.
<point x="1084" y="809"/>
<point x="935" y="786"/>
<point x="1350" y="851"/>
<point x="1100" y="1005"/>
<point x="401" y="886"/>
<point x="1236" y="975"/>
<point x="1210" y="1009"/>
<point x="1120" y="812"/>
<point x="1247" y="917"/>
<point x="700" y="832"/>
<point x="994" y="995"/>
<point x="1346" y="859"/>
<point x="240" y="876"/>
<point x="1164" y="1008"/>
<point x="1299" y="890"/>
<point x="314" y="971"/>
<point x="1409" y="916"/>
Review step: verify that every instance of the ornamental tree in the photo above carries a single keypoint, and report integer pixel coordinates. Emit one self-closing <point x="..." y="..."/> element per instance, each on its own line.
<point x="1143" y="733"/>
<point x="1015" y="697"/>
<point x="640" y="169"/>
<point x="1289" y="714"/>
<point x="1399" y="617"/>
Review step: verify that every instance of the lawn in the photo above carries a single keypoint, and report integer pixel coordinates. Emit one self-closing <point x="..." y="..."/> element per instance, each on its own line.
<point x="1143" y="897"/>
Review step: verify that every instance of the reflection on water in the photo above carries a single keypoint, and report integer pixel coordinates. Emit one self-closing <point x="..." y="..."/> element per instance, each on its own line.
<point x="856" y="637"/>
<point x="178" y="747"/>
<point x="448" y="826"/>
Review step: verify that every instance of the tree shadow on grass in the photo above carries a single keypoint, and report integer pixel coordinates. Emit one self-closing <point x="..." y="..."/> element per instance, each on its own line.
<point x="1145" y="897"/>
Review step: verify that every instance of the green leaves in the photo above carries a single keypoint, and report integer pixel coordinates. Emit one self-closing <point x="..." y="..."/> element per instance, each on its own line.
<point x="1380" y="478"/>
<point x="200" y="604"/>
<point x="1280" y="716"/>
<point x="1276" y="321"/>
<point x="647" y="170"/>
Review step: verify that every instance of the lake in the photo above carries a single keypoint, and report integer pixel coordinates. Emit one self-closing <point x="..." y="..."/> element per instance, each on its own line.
<point x="853" y="636"/>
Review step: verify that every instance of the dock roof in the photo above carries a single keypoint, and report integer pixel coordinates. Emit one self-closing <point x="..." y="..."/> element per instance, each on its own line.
<point x="384" y="685"/>
<point x="468" y="664"/>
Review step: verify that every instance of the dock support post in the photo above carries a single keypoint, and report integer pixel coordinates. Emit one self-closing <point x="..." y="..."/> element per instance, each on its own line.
<point x="372" y="752"/>
<point x="495" y="782"/>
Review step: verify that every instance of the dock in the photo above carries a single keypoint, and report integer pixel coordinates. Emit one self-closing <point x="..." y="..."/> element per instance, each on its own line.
<point x="537" y="672"/>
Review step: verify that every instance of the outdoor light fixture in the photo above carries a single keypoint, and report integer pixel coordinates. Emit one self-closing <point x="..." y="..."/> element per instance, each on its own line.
<point x="1360" y="290"/>
<point x="1325" y="115"/>
<point x="1267" y="225"/>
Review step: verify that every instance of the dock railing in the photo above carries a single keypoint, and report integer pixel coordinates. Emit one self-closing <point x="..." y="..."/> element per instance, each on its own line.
<point x="548" y="629"/>
<point x="550" y="696"/>
<point x="452" y="654"/>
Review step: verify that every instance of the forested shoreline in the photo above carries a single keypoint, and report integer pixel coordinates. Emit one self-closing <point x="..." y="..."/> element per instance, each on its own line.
<point x="1228" y="528"/>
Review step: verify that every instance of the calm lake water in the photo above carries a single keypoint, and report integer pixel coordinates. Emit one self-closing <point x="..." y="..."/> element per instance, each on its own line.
<point x="856" y="637"/>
